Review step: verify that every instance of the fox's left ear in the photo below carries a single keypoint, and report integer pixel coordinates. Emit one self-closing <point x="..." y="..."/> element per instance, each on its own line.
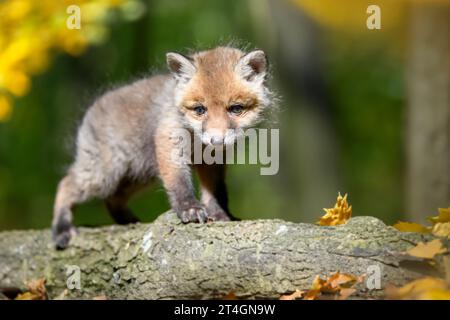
<point x="253" y="65"/>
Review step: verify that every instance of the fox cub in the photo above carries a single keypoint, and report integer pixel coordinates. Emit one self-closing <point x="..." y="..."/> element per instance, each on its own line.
<point x="124" y="141"/>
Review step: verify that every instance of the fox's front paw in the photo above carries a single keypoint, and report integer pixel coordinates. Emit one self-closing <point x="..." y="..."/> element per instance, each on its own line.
<point x="216" y="213"/>
<point x="219" y="215"/>
<point x="61" y="234"/>
<point x="193" y="213"/>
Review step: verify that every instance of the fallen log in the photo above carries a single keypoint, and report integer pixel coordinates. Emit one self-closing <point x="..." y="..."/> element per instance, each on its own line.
<point x="169" y="260"/>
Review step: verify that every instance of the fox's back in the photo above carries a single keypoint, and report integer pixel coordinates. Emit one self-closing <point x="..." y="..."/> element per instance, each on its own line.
<point x="131" y="108"/>
<point x="117" y="132"/>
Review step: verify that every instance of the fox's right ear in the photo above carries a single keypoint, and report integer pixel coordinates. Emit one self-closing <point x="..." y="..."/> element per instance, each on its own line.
<point x="180" y="66"/>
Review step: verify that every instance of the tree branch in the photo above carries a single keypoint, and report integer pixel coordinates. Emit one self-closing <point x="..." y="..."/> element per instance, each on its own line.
<point x="252" y="259"/>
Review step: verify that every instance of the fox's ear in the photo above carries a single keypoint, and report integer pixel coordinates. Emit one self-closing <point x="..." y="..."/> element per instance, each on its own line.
<point x="253" y="65"/>
<point x="182" y="67"/>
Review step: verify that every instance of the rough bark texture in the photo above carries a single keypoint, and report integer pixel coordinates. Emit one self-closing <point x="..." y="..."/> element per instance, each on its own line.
<point x="166" y="259"/>
<point x="428" y="114"/>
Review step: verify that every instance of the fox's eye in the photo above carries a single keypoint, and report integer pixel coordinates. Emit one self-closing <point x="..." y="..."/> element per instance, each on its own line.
<point x="200" y="110"/>
<point x="236" y="109"/>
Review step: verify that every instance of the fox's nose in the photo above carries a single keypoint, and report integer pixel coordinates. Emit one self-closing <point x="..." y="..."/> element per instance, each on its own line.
<point x="217" y="140"/>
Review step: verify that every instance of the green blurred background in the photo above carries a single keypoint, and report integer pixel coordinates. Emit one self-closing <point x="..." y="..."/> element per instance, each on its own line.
<point x="341" y="113"/>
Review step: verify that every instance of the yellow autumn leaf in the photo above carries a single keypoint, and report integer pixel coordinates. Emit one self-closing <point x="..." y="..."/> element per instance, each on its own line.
<point x="422" y="289"/>
<point x="337" y="283"/>
<point x="441" y="229"/>
<point x="435" y="294"/>
<point x="17" y="82"/>
<point x="444" y="216"/>
<point x="36" y="291"/>
<point x="31" y="32"/>
<point x="337" y="215"/>
<point x="27" y="296"/>
<point x="315" y="289"/>
<point x="345" y="293"/>
<point x="340" y="280"/>
<point x="427" y="250"/>
<point x="411" y="227"/>
<point x="297" y="294"/>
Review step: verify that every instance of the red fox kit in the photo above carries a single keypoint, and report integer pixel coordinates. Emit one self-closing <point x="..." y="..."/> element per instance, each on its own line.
<point x="124" y="141"/>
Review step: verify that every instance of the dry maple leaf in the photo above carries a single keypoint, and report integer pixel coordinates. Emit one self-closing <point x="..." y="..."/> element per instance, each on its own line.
<point x="444" y="216"/>
<point x="427" y="250"/>
<point x="345" y="293"/>
<point x="230" y="296"/>
<point x="316" y="289"/>
<point x="441" y="229"/>
<point x="297" y="294"/>
<point x="336" y="283"/>
<point x="411" y="227"/>
<point x="337" y="215"/>
<point x="36" y="291"/>
<point x="342" y="280"/>
<point x="422" y="289"/>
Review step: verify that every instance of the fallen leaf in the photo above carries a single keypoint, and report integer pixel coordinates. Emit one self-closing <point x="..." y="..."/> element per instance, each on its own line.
<point x="100" y="297"/>
<point x="441" y="229"/>
<point x="444" y="216"/>
<point x="36" y="291"/>
<point x="436" y="294"/>
<point x="312" y="295"/>
<point x="337" y="215"/>
<point x="427" y="250"/>
<point x="230" y="296"/>
<point x="316" y="289"/>
<point x="336" y="283"/>
<point x="411" y="227"/>
<point x="297" y="294"/>
<point x="427" y="288"/>
<point x="345" y="293"/>
<point x="339" y="280"/>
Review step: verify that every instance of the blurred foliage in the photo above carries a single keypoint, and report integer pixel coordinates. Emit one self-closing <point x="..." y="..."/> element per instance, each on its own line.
<point x="364" y="83"/>
<point x="348" y="17"/>
<point x="32" y="31"/>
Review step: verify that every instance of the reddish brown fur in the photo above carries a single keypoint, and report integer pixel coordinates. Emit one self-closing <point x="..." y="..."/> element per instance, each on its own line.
<point x="217" y="86"/>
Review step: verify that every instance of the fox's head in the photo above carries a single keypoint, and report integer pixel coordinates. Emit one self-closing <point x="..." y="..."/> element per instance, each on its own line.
<point x="220" y="89"/>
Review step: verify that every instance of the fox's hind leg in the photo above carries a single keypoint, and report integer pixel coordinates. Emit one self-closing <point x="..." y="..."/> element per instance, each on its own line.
<point x="67" y="196"/>
<point x="117" y="203"/>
